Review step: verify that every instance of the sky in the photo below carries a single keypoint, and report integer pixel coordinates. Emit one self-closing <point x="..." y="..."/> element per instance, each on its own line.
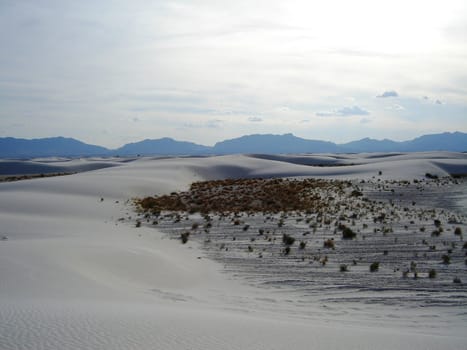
<point x="112" y="72"/>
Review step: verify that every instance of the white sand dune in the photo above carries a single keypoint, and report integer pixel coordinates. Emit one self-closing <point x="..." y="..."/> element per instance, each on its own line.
<point x="73" y="277"/>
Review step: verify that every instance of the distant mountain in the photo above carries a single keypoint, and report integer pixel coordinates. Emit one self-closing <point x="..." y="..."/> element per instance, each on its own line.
<point x="456" y="142"/>
<point x="164" y="146"/>
<point x="48" y="147"/>
<point x="257" y="144"/>
<point x="273" y="144"/>
<point x="370" y="145"/>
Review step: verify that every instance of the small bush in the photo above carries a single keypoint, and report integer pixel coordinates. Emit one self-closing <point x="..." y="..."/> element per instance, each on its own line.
<point x="246" y="227"/>
<point x="446" y="259"/>
<point x="287" y="239"/>
<point x="302" y="245"/>
<point x="356" y="193"/>
<point x="432" y="273"/>
<point x="464" y="246"/>
<point x="286" y="250"/>
<point x="347" y="233"/>
<point x="329" y="243"/>
<point x="194" y="226"/>
<point x="457" y="280"/>
<point x="458" y="231"/>
<point x="374" y="267"/>
<point x="138" y="223"/>
<point x="343" y="268"/>
<point x="184" y="237"/>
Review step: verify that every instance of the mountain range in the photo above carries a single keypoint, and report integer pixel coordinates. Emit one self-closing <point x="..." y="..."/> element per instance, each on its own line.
<point x="260" y="143"/>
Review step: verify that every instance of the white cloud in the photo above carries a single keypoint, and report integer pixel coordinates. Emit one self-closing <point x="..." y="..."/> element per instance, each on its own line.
<point x="255" y="119"/>
<point x="391" y="93"/>
<point x="344" y="112"/>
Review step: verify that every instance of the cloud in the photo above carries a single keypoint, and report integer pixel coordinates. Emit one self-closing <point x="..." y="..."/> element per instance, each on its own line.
<point x="211" y="124"/>
<point x="395" y="107"/>
<point x="365" y="121"/>
<point x="255" y="119"/>
<point x="344" y="112"/>
<point x="433" y="100"/>
<point x="390" y="93"/>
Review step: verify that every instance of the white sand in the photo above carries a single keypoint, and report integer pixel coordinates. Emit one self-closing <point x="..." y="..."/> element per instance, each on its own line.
<point x="72" y="277"/>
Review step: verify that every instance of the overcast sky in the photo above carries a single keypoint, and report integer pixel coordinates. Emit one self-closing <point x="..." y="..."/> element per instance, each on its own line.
<point x="112" y="72"/>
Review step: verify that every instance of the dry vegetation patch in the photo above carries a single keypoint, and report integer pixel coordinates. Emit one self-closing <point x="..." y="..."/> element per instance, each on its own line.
<point x="247" y="195"/>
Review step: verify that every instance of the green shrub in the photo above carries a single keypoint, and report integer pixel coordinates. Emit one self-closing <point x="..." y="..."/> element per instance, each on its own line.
<point x="432" y="273"/>
<point x="343" y="268"/>
<point x="458" y="231"/>
<point x="374" y="267"/>
<point x="347" y="233"/>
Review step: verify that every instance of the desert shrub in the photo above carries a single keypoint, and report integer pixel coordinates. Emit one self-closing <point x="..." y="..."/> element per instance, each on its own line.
<point x="184" y="237"/>
<point x="432" y="273"/>
<point x="374" y="266"/>
<point x="437" y="223"/>
<point x="287" y="239"/>
<point x="446" y="259"/>
<point x="343" y="268"/>
<point x="138" y="223"/>
<point x="458" y="231"/>
<point x="356" y="193"/>
<point x="237" y="222"/>
<point x="457" y="280"/>
<point x="250" y="248"/>
<point x="302" y="245"/>
<point x="464" y="246"/>
<point x="435" y="233"/>
<point x="286" y="250"/>
<point x="329" y="243"/>
<point x="246" y="227"/>
<point x="194" y="226"/>
<point x="347" y="233"/>
<point x="431" y="176"/>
